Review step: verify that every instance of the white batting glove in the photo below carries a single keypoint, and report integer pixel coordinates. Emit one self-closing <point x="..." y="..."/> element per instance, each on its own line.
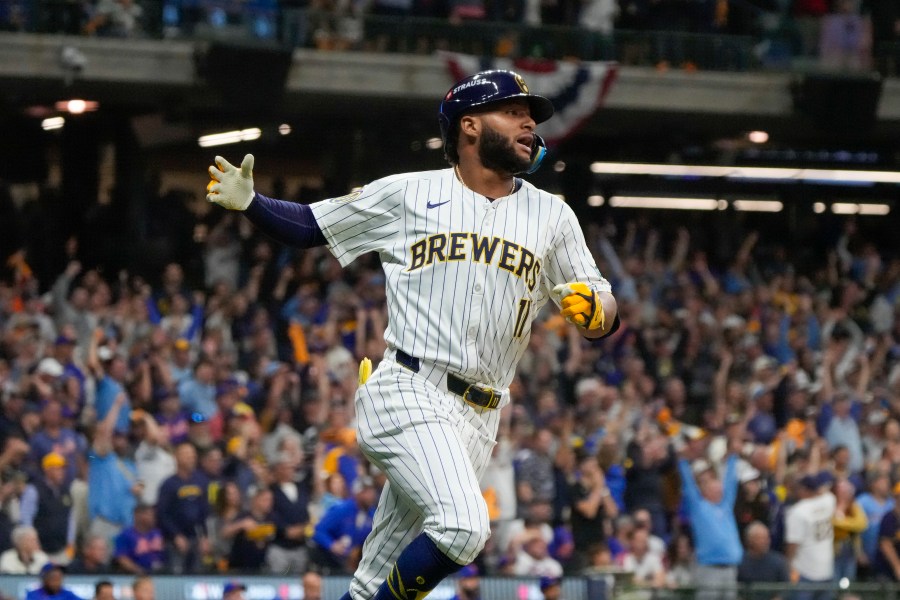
<point x="231" y="187"/>
<point x="581" y="305"/>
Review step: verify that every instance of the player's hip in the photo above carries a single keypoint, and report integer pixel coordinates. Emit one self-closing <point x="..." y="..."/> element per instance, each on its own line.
<point x="485" y="354"/>
<point x="399" y="395"/>
<point x="471" y="390"/>
<point x="403" y="420"/>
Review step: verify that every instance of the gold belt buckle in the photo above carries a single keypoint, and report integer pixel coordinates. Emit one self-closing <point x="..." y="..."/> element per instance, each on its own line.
<point x="493" y="400"/>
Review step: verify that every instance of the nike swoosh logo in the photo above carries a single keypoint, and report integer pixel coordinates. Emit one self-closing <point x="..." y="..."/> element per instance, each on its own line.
<point x="432" y="205"/>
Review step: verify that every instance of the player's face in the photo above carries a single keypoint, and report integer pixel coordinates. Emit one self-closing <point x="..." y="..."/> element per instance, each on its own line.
<point x="507" y="137"/>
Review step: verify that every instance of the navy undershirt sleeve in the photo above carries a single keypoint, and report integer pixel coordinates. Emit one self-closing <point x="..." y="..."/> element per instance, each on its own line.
<point x="287" y="222"/>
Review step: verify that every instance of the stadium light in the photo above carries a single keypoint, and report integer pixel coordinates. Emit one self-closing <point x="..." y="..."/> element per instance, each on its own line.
<point x="758" y="205"/>
<point x="595" y="200"/>
<point x="836" y="176"/>
<point x="76" y="106"/>
<point x="852" y="208"/>
<point x="758" y="137"/>
<point x="667" y="203"/>
<point x="229" y="137"/>
<point x="51" y="123"/>
<point x="874" y="209"/>
<point x="844" y="208"/>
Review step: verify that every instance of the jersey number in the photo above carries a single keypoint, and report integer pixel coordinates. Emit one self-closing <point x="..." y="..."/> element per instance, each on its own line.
<point x="823" y="530"/>
<point x="522" y="317"/>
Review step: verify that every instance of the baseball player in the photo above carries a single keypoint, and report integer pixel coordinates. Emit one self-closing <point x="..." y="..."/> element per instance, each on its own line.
<point x="470" y="253"/>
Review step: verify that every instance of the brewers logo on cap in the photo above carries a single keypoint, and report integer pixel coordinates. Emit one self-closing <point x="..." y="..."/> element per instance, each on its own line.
<point x="521" y="83"/>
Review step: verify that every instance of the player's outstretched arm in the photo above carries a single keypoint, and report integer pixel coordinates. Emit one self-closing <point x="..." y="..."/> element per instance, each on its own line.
<point x="287" y="222"/>
<point x="594" y="313"/>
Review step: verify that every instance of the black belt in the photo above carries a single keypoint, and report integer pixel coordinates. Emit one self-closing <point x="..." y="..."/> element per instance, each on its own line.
<point x="473" y="393"/>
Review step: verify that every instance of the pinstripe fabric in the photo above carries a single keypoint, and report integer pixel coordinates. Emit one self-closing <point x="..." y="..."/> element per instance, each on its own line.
<point x="462" y="314"/>
<point x="433" y="448"/>
<point x="465" y="277"/>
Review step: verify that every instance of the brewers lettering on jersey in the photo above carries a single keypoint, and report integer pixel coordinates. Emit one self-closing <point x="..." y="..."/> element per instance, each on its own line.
<point x="470" y="254"/>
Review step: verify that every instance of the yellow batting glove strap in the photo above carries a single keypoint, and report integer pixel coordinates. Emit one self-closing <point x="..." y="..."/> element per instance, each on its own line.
<point x="581" y="305"/>
<point x="365" y="370"/>
<point x="598" y="319"/>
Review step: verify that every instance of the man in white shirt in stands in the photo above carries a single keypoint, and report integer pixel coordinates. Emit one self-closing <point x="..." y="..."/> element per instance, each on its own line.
<point x="810" y="537"/>
<point x="26" y="556"/>
<point x="647" y="568"/>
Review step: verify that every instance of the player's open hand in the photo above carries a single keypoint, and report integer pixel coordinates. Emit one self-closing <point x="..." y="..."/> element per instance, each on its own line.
<point x="229" y="186"/>
<point x="580" y="305"/>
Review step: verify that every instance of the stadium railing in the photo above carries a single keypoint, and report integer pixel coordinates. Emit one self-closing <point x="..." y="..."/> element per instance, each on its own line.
<point x="209" y="587"/>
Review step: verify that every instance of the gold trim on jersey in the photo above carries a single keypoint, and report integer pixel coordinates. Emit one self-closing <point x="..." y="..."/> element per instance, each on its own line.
<point x="436" y="245"/>
<point x="457" y="239"/>
<point x="481" y="249"/>
<point x="353" y="195"/>
<point x="459" y="246"/>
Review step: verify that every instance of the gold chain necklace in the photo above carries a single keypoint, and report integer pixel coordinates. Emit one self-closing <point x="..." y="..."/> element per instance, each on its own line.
<point x="465" y="185"/>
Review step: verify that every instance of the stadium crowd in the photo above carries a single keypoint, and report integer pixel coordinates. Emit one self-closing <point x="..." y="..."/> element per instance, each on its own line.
<point x="838" y="34"/>
<point x="201" y="419"/>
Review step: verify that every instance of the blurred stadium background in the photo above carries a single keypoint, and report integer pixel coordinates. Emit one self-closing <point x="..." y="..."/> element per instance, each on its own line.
<point x="693" y="95"/>
<point x="725" y="119"/>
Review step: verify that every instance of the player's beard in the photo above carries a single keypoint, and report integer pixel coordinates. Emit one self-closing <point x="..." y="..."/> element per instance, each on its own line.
<point x="499" y="154"/>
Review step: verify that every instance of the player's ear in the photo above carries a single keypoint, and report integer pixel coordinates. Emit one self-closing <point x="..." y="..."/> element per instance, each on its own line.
<point x="469" y="125"/>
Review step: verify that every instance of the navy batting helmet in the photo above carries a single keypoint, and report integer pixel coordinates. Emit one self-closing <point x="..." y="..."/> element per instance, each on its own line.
<point x="487" y="87"/>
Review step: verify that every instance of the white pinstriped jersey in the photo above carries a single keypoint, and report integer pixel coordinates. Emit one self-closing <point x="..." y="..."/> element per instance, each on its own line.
<point x="465" y="276"/>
